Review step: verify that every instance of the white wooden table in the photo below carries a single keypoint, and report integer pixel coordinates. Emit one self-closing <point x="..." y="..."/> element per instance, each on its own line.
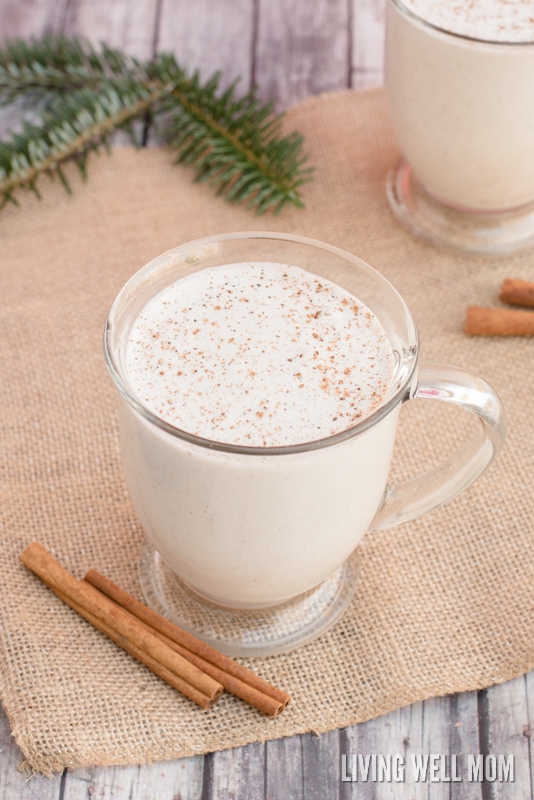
<point x="289" y="49"/>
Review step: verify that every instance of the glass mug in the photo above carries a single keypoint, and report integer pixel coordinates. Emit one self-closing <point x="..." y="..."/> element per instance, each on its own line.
<point x="254" y="549"/>
<point x="463" y="115"/>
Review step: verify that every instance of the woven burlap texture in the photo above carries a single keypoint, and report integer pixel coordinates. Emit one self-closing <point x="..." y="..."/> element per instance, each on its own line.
<point x="445" y="603"/>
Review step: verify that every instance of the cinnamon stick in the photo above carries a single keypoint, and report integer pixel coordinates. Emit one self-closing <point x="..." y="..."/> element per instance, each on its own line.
<point x="158" y="669"/>
<point x="498" y="322"/>
<point x="113" y="616"/>
<point x="268" y="705"/>
<point x="251" y="687"/>
<point x="517" y="292"/>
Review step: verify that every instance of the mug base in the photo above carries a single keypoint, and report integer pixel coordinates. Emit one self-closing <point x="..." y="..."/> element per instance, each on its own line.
<point x="492" y="233"/>
<point x="260" y="632"/>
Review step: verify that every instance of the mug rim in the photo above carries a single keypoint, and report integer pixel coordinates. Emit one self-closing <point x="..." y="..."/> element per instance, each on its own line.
<point x="401" y="393"/>
<point x="461" y="36"/>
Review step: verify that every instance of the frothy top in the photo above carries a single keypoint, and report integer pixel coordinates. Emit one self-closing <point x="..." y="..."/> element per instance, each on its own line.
<point x="259" y="354"/>
<point x="488" y="20"/>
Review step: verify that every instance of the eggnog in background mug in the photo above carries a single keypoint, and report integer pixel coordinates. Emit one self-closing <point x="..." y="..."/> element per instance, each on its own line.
<point x="261" y="377"/>
<point x="460" y="81"/>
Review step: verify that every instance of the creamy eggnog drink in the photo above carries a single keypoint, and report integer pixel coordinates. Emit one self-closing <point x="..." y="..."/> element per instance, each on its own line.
<point x="261" y="377"/>
<point x="460" y="79"/>
<point x="263" y="355"/>
<point x="259" y="354"/>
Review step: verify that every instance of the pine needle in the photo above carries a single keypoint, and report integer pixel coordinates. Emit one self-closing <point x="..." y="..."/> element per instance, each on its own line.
<point x="80" y="96"/>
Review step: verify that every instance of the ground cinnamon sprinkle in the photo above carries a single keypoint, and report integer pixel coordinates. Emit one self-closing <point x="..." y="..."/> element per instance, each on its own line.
<point x="271" y="319"/>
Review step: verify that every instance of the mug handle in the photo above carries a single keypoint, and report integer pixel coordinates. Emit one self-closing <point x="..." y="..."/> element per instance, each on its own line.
<point x="415" y="497"/>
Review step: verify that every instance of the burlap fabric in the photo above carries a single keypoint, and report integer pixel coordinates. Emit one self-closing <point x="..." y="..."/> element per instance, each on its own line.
<point x="445" y="604"/>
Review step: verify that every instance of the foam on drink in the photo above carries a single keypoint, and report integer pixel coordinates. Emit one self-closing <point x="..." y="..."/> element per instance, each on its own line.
<point x="259" y="354"/>
<point x="489" y="20"/>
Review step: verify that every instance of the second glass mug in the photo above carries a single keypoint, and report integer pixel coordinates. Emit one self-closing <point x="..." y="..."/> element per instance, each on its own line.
<point x="463" y="116"/>
<point x="254" y="549"/>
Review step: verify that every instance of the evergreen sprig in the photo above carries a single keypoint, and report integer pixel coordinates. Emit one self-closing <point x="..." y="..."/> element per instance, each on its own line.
<point x="81" y="96"/>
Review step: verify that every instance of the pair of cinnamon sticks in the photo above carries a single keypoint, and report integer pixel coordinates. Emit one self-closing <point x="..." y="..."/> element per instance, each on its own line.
<point x="482" y="321"/>
<point x="194" y="668"/>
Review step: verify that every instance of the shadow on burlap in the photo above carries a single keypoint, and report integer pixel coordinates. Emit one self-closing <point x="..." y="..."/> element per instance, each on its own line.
<point x="445" y="603"/>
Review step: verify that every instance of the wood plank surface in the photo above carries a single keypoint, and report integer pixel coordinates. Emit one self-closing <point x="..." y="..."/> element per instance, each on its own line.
<point x="367" y="43"/>
<point x="507" y="730"/>
<point x="441" y="726"/>
<point x="210" y="37"/>
<point x="25" y="18"/>
<point x="13" y="784"/>
<point x="290" y="50"/>
<point x="167" y="780"/>
<point x="126" y="24"/>
<point x="302" y="49"/>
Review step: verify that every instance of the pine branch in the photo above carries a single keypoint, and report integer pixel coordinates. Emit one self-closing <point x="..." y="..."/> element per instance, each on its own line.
<point x="84" y="95"/>
<point x="46" y="66"/>
<point x="232" y="143"/>
<point x="86" y="122"/>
